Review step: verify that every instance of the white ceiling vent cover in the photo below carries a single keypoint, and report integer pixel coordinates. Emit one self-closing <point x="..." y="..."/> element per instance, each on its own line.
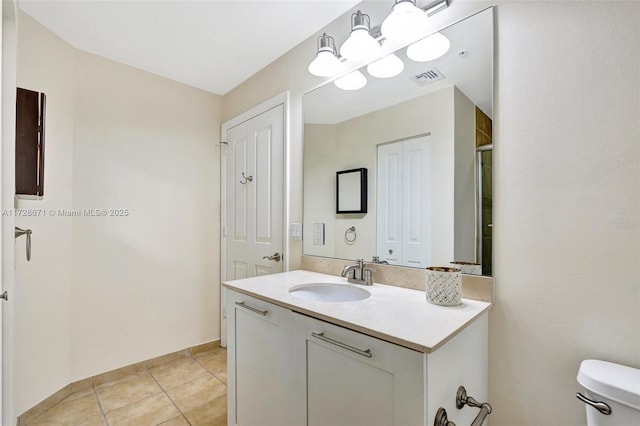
<point x="427" y="77"/>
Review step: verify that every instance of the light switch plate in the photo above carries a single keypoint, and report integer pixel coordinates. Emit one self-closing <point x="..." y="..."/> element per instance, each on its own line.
<point x="295" y="230"/>
<point x="318" y="234"/>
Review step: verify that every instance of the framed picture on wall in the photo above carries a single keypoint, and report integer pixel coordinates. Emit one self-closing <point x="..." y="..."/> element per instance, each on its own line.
<point x="351" y="191"/>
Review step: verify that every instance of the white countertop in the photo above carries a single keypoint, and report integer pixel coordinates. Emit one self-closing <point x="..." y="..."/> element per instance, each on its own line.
<point x="394" y="314"/>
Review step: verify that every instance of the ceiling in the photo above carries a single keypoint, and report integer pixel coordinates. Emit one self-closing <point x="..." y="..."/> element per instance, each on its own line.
<point x="211" y="44"/>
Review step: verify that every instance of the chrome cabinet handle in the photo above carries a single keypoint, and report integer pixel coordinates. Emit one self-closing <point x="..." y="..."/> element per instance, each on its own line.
<point x="251" y="308"/>
<point x="275" y="256"/>
<point x="600" y="406"/>
<point x="321" y="336"/>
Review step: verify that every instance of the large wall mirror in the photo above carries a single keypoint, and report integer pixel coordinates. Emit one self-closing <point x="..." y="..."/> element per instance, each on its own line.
<point x="425" y="138"/>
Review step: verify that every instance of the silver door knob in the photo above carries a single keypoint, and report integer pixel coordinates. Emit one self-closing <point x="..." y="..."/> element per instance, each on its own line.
<point x="275" y="256"/>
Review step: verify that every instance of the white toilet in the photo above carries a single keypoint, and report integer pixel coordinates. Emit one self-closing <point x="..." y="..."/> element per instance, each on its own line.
<point x="610" y="388"/>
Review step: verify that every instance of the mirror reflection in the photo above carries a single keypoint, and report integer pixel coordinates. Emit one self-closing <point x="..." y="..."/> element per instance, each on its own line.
<point x="424" y="136"/>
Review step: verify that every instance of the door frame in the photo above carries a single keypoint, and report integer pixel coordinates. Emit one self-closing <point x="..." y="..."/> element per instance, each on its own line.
<point x="280" y="99"/>
<point x="8" y="40"/>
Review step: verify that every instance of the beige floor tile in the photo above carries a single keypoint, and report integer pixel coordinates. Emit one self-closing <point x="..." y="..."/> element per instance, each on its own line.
<point x="197" y="392"/>
<point x="126" y="390"/>
<point x="177" y="372"/>
<point x="215" y="361"/>
<point x="77" y="409"/>
<point x="94" y="422"/>
<point x="149" y="411"/>
<point x="176" y="421"/>
<point x="213" y="413"/>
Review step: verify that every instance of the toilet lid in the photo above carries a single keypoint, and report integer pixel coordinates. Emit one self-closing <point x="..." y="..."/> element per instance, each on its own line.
<point x="616" y="382"/>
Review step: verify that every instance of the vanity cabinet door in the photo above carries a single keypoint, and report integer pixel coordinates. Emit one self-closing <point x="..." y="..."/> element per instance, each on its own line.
<point x="354" y="379"/>
<point x="262" y="387"/>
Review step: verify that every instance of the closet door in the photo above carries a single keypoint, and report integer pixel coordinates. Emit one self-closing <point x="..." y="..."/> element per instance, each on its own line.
<point x="253" y="235"/>
<point x="404" y="202"/>
<point x="389" y="203"/>
<point x="416" y="204"/>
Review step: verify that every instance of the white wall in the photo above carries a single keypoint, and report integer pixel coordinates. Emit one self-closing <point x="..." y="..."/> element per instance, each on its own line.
<point x="41" y="298"/>
<point x="148" y="282"/>
<point x="464" y="226"/>
<point x="104" y="292"/>
<point x="566" y="207"/>
<point x="320" y="205"/>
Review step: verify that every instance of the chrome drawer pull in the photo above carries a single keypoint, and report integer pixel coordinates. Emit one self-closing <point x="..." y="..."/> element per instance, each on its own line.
<point x="251" y="308"/>
<point x="600" y="406"/>
<point x="321" y="336"/>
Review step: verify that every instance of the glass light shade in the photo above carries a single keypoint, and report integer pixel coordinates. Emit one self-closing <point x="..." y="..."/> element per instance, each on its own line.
<point x="352" y="81"/>
<point x="360" y="46"/>
<point x="325" y="64"/>
<point x="405" y="22"/>
<point x="429" y="48"/>
<point x="389" y="66"/>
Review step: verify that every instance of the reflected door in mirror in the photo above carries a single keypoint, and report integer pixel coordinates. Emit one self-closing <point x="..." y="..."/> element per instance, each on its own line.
<point x="404" y="202"/>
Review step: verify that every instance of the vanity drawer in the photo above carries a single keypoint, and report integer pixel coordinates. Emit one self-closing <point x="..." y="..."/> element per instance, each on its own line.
<point x="252" y="306"/>
<point x="354" y="379"/>
<point x="351" y="343"/>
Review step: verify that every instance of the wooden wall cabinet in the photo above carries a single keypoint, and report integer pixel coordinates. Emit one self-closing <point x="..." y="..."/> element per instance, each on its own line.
<point x="30" y="126"/>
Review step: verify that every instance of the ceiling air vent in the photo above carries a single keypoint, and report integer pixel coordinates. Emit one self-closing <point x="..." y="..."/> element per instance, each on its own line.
<point x="427" y="77"/>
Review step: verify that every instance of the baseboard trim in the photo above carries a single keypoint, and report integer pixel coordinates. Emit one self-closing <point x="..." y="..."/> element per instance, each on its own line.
<point x="79" y="385"/>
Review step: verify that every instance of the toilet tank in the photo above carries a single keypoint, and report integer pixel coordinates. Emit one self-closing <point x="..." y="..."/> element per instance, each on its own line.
<point x="616" y="385"/>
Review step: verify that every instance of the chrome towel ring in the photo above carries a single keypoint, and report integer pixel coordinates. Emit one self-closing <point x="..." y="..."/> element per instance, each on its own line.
<point x="350" y="235"/>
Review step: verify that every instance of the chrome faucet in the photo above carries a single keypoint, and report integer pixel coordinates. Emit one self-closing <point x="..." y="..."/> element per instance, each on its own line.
<point x="358" y="273"/>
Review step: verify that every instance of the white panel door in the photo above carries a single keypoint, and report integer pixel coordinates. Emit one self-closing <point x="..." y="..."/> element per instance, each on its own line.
<point x="416" y="202"/>
<point x="254" y="196"/>
<point x="404" y="202"/>
<point x="389" y="203"/>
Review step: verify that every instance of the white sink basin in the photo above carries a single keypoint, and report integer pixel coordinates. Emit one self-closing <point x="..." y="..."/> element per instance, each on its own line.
<point x="329" y="292"/>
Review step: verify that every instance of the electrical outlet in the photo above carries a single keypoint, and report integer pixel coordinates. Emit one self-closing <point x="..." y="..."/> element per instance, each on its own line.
<point x="318" y="234"/>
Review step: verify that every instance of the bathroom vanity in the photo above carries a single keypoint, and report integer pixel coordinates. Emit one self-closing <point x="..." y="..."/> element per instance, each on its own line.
<point x="388" y="359"/>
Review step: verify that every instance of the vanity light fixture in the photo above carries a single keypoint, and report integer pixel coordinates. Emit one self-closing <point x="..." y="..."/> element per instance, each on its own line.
<point x="405" y="22"/>
<point x="360" y="45"/>
<point x="326" y="62"/>
<point x="387" y="67"/>
<point x="429" y="48"/>
<point x="353" y="81"/>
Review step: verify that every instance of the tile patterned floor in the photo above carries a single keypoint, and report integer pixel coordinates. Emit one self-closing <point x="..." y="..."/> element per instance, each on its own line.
<point x="188" y="391"/>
